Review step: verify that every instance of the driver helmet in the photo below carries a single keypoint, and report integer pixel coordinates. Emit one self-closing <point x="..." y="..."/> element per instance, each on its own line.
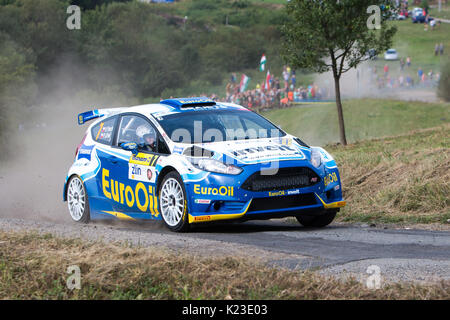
<point x="146" y="133"/>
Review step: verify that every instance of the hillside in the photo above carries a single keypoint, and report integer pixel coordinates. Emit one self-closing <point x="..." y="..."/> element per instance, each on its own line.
<point x="397" y="179"/>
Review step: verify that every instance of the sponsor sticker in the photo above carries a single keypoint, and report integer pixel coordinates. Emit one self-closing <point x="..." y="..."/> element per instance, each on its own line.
<point x="276" y="193"/>
<point x="141" y="173"/>
<point x="144" y="159"/>
<point x="178" y="150"/>
<point x="202" y="201"/>
<point x="202" y="218"/>
<point x="85" y="152"/>
<point x="268" y="151"/>
<point x="330" y="178"/>
<point x="285" y="141"/>
<point x="222" y="191"/>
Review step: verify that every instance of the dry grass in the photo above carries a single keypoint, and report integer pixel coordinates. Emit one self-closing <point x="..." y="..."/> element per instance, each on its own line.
<point x="398" y="179"/>
<point x="34" y="266"/>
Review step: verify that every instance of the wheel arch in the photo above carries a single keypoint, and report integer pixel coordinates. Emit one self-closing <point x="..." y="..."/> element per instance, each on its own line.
<point x="162" y="174"/>
<point x="67" y="182"/>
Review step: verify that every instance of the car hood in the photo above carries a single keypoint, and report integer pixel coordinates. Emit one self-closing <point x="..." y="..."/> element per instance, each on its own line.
<point x="242" y="152"/>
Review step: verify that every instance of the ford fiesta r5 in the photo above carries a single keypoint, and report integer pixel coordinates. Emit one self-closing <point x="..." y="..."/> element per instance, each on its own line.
<point x="193" y="160"/>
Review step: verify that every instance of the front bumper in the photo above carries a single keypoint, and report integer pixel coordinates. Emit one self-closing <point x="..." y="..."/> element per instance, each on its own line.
<point x="221" y="197"/>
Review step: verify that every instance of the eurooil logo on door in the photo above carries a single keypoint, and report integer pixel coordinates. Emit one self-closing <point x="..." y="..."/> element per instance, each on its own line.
<point x="125" y="194"/>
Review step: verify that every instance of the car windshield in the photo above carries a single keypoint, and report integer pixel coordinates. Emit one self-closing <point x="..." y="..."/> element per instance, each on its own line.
<point x="391" y="51"/>
<point x="217" y="125"/>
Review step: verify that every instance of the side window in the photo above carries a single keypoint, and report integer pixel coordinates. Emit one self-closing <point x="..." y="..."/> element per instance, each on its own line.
<point x="162" y="146"/>
<point x="103" y="132"/>
<point x="137" y="129"/>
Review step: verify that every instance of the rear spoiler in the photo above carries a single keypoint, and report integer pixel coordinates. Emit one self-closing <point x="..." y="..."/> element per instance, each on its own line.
<point x="94" y="114"/>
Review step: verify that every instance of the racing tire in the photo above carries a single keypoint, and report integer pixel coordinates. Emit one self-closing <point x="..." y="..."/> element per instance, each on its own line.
<point x="172" y="201"/>
<point x="77" y="200"/>
<point x="317" y="221"/>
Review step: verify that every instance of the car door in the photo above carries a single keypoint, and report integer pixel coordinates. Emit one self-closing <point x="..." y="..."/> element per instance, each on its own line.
<point x="103" y="134"/>
<point x="136" y="175"/>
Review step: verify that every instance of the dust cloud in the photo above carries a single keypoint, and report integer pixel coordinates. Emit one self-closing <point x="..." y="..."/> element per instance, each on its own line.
<point x="44" y="143"/>
<point x="360" y="82"/>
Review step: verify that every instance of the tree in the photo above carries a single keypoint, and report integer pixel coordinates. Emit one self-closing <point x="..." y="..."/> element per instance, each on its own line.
<point x="335" y="35"/>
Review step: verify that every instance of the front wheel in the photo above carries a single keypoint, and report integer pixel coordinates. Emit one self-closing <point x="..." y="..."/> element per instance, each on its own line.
<point x="172" y="202"/>
<point x="77" y="200"/>
<point x="317" y="221"/>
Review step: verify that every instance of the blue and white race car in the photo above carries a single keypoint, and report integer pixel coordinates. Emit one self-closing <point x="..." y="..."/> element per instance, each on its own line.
<point x="194" y="160"/>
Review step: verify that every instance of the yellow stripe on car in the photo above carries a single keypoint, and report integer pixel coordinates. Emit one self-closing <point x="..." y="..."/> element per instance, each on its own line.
<point x="332" y="205"/>
<point x="214" y="217"/>
<point x="119" y="215"/>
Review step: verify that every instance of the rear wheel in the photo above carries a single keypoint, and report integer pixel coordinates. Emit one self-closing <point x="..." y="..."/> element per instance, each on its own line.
<point x="77" y="200"/>
<point x="317" y="221"/>
<point x="172" y="202"/>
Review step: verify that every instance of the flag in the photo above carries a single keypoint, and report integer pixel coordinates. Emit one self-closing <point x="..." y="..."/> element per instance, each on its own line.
<point x="268" y="80"/>
<point x="244" y="83"/>
<point x="262" y="63"/>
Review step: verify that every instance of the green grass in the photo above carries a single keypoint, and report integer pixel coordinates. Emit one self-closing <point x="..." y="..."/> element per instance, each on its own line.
<point x="411" y="40"/>
<point x="364" y="119"/>
<point x="444" y="14"/>
<point x="403" y="179"/>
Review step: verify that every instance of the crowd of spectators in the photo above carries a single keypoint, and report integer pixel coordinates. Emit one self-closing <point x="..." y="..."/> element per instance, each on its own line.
<point x="406" y="78"/>
<point x="274" y="92"/>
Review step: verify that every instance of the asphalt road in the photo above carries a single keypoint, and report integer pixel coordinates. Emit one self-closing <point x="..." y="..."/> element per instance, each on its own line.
<point x="339" y="249"/>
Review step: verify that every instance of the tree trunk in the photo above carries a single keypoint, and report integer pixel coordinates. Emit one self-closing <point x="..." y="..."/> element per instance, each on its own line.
<point x="339" y="109"/>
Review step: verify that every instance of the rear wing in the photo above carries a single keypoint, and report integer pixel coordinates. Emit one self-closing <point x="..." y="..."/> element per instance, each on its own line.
<point x="94" y="114"/>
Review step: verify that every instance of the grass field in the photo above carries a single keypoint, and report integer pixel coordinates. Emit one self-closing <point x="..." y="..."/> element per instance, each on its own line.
<point x="403" y="179"/>
<point x="35" y="266"/>
<point x="364" y="119"/>
<point x="411" y="40"/>
<point x="444" y="14"/>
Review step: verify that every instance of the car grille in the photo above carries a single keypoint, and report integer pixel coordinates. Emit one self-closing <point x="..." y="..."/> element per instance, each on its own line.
<point x="285" y="178"/>
<point x="283" y="202"/>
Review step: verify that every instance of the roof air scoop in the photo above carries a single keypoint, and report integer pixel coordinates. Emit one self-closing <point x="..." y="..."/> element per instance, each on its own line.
<point x="189" y="102"/>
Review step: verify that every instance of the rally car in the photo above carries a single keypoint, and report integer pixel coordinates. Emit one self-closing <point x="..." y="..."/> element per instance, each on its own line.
<point x="194" y="160"/>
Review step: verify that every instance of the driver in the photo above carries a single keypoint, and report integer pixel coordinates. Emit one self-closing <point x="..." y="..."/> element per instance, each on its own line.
<point x="147" y="138"/>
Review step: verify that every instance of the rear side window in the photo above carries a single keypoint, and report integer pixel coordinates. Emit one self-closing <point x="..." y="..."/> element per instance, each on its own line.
<point x="103" y="131"/>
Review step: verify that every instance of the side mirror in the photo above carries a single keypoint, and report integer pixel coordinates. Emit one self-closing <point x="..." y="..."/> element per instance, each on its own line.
<point x="130" y="146"/>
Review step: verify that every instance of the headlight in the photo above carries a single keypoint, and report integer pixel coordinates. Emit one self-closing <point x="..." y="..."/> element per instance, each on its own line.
<point x="316" y="158"/>
<point x="216" y="166"/>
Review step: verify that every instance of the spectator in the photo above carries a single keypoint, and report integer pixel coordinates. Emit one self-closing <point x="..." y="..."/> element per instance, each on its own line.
<point x="386" y="70"/>
<point x="286" y="77"/>
<point x="408" y="62"/>
<point x="233" y="78"/>
<point x="420" y="73"/>
<point x="436" y="49"/>
<point x="441" y="48"/>
<point x="432" y="24"/>
<point x="402" y="64"/>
